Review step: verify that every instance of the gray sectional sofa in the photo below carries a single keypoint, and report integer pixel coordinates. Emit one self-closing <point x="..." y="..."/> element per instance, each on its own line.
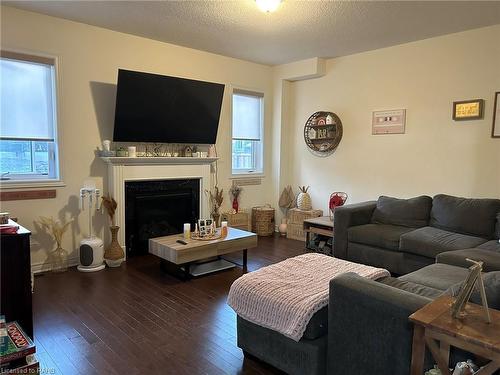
<point x="403" y="235"/>
<point x="365" y="329"/>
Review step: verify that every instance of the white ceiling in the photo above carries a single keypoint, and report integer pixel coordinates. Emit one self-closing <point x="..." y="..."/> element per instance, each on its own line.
<point x="296" y="31"/>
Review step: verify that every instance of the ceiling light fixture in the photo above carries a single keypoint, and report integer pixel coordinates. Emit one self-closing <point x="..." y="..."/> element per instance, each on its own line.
<point x="268" y="6"/>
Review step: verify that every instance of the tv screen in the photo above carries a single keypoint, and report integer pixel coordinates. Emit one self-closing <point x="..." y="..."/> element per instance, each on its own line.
<point x="163" y="109"/>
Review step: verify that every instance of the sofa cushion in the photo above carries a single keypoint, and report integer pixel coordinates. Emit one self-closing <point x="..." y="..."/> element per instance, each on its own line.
<point x="318" y="325"/>
<point x="477" y="217"/>
<point x="379" y="235"/>
<point x="490" y="259"/>
<point x="421" y="290"/>
<point x="491" y="282"/>
<point x="438" y="276"/>
<point x="429" y="241"/>
<point x="493" y="245"/>
<point x="413" y="212"/>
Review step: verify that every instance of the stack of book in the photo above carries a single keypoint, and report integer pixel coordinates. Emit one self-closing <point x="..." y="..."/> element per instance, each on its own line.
<point x="17" y="351"/>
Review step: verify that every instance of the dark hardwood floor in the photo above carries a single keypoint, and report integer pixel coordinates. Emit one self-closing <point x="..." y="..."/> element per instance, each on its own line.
<point x="138" y="320"/>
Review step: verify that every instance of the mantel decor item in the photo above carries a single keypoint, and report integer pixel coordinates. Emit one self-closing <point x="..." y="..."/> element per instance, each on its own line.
<point x="468" y="110"/>
<point x="59" y="256"/>
<point x="323" y="132"/>
<point x="113" y="255"/>
<point x="304" y="202"/>
<point x="495" y="129"/>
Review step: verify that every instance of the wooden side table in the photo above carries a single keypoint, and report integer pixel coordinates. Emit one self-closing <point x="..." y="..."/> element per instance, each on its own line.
<point x="321" y="226"/>
<point x="434" y="323"/>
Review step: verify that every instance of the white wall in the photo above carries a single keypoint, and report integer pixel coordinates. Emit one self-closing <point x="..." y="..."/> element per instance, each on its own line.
<point x="88" y="61"/>
<point x="436" y="155"/>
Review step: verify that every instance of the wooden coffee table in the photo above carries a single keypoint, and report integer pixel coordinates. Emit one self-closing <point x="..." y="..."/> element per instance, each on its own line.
<point x="434" y="322"/>
<point x="183" y="259"/>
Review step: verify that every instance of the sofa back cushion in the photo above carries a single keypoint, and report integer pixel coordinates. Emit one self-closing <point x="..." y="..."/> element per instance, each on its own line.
<point x="413" y="212"/>
<point x="477" y="217"/>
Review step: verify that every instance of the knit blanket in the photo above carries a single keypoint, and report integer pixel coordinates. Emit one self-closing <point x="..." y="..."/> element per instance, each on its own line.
<point x="284" y="296"/>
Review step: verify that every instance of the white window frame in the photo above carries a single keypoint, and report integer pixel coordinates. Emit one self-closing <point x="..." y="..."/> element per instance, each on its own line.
<point x="54" y="179"/>
<point x="259" y="155"/>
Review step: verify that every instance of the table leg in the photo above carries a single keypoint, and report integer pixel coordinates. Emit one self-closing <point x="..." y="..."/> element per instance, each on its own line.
<point x="442" y="362"/>
<point x="418" y="350"/>
<point x="187" y="273"/>
<point x="245" y="259"/>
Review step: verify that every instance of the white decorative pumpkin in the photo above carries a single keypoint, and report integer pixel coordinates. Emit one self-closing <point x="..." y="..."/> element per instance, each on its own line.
<point x="304" y="199"/>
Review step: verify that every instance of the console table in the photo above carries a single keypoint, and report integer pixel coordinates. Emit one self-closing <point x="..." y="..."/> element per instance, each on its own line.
<point x="434" y="322"/>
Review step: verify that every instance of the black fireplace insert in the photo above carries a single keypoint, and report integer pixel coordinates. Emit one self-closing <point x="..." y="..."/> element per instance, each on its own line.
<point x="158" y="208"/>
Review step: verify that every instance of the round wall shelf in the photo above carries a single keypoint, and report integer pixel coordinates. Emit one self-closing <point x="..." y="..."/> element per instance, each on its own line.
<point x="323" y="132"/>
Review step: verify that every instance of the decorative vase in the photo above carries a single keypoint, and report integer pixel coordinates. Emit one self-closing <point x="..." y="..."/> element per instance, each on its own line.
<point x="59" y="260"/>
<point x="113" y="254"/>
<point x="216" y="217"/>
<point x="283" y="227"/>
<point x="235" y="205"/>
<point x="304" y="199"/>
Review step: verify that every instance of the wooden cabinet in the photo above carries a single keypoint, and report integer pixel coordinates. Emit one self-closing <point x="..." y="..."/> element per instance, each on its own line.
<point x="15" y="267"/>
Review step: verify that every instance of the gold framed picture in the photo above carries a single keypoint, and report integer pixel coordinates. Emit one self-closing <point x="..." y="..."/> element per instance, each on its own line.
<point x="495" y="129"/>
<point x="468" y="110"/>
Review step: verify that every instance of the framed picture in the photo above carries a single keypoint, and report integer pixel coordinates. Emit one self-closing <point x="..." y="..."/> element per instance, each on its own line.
<point x="389" y="121"/>
<point x="495" y="129"/>
<point x="468" y="110"/>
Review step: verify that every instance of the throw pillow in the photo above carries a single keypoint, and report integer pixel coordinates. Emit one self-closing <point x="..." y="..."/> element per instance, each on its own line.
<point x="413" y="212"/>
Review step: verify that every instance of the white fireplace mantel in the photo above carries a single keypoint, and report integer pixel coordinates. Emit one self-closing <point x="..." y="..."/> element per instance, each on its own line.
<point x="123" y="169"/>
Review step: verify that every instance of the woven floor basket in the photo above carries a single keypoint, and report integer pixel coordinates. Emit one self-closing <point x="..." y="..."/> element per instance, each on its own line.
<point x="263" y="221"/>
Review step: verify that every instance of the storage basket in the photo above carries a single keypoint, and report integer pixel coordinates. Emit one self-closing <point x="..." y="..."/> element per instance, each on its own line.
<point x="296" y="216"/>
<point x="263" y="220"/>
<point x="295" y="232"/>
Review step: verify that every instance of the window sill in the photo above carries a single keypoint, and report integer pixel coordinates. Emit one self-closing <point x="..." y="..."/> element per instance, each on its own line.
<point x="27" y="184"/>
<point x="246" y="175"/>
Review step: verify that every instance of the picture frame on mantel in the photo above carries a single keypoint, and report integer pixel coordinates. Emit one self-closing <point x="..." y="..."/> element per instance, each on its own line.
<point x="472" y="109"/>
<point x="495" y="127"/>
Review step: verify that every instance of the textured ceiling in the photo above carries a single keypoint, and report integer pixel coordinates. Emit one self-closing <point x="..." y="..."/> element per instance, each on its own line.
<point x="296" y="31"/>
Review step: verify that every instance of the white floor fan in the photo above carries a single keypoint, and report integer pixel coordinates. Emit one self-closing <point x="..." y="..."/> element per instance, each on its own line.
<point x="91" y="247"/>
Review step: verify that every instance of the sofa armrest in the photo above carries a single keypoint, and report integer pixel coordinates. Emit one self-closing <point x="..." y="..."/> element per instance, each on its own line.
<point x="348" y="216"/>
<point x="490" y="258"/>
<point x="368" y="328"/>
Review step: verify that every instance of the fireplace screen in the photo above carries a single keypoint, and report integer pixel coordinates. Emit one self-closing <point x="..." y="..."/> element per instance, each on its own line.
<point x="158" y="208"/>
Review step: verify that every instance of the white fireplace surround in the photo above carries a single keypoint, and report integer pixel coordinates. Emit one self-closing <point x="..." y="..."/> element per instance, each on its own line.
<point x="123" y="169"/>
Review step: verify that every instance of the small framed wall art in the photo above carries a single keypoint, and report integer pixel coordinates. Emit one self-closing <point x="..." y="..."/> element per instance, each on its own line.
<point x="468" y="110"/>
<point x="389" y="122"/>
<point x="495" y="129"/>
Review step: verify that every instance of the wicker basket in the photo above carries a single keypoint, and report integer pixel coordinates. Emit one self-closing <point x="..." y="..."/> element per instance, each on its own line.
<point x="263" y="220"/>
<point x="295" y="232"/>
<point x="296" y="216"/>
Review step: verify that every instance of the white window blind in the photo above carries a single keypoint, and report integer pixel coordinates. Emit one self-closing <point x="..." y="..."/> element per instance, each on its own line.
<point x="247" y="114"/>
<point x="27" y="102"/>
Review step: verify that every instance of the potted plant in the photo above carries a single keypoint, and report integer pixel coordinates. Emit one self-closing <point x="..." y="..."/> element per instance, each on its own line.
<point x="216" y="199"/>
<point x="113" y="255"/>
<point x="59" y="256"/>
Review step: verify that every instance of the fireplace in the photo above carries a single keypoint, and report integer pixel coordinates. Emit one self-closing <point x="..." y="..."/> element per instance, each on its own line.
<point x="155" y="208"/>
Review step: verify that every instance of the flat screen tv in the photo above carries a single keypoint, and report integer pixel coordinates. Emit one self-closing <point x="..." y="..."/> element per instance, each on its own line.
<point x="163" y="109"/>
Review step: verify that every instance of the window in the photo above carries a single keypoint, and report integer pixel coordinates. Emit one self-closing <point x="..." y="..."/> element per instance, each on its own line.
<point x="247" y="148"/>
<point x="28" y="144"/>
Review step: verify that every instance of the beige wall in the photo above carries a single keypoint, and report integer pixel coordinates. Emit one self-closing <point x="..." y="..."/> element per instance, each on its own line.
<point x="436" y="155"/>
<point x="88" y="61"/>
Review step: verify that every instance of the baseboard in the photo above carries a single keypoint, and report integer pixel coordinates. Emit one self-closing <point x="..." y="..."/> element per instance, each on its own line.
<point x="40" y="267"/>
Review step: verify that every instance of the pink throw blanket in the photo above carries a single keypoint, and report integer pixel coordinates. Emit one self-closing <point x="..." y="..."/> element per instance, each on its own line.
<point x="284" y="296"/>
